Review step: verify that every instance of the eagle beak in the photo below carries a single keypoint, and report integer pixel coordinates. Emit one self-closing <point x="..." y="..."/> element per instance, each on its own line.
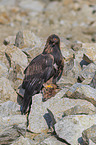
<point x="55" y="40"/>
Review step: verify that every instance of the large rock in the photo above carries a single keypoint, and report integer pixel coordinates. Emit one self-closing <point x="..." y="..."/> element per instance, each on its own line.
<point x="17" y="62"/>
<point x="89" y="134"/>
<point x="93" y="81"/>
<point x="31" y="40"/>
<point x="3" y="57"/>
<point x="12" y="120"/>
<point x="81" y="109"/>
<point x="41" y="119"/>
<point x="80" y="91"/>
<point x="24" y="141"/>
<point x="3" y="70"/>
<point x="52" y="141"/>
<point x="6" y="90"/>
<point x="66" y="81"/>
<point x="16" y="56"/>
<point x="11" y="128"/>
<point x="19" y="41"/>
<point x="33" y="45"/>
<point x="9" y="108"/>
<point x="66" y="52"/>
<point x="86" y="75"/>
<point x="71" y="127"/>
<point x="86" y="54"/>
<point x="72" y="68"/>
<point x="90" y="52"/>
<point x="36" y="119"/>
<point x="41" y="136"/>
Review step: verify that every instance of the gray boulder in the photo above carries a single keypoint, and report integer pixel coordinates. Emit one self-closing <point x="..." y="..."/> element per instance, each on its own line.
<point x="52" y="141"/>
<point x="3" y="70"/>
<point x="93" y="81"/>
<point x="71" y="127"/>
<point x="24" y="141"/>
<point x="81" y="109"/>
<point x="86" y="75"/>
<point x="40" y="119"/>
<point x="6" y="90"/>
<point x="11" y="128"/>
<point x="9" y="108"/>
<point x="89" y="134"/>
<point x="80" y="91"/>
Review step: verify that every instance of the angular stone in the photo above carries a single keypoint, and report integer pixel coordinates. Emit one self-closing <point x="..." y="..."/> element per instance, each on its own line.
<point x="32" y="52"/>
<point x="31" y="40"/>
<point x="66" y="81"/>
<point x="19" y="41"/>
<point x="76" y="46"/>
<point x="80" y="91"/>
<point x="66" y="52"/>
<point x="24" y="141"/>
<point x="13" y="120"/>
<point x="11" y="128"/>
<point x="89" y="134"/>
<point x="87" y="73"/>
<point x="36" y="119"/>
<point x="9" y="108"/>
<point x="71" y="127"/>
<point x="52" y="141"/>
<point x="9" y="40"/>
<point x="90" y="51"/>
<point x="72" y="68"/>
<point x="81" y="109"/>
<point x="86" y="53"/>
<point x="8" y="135"/>
<point x="93" y="81"/>
<point x="68" y="65"/>
<point x="3" y="57"/>
<point x="16" y="56"/>
<point x="6" y="90"/>
<point x="42" y="120"/>
<point x="3" y="70"/>
<point x="40" y="137"/>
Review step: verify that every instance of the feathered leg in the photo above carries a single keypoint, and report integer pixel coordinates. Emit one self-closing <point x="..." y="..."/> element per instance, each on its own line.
<point x="29" y="113"/>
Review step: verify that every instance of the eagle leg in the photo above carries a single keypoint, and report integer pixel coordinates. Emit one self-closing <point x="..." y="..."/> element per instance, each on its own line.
<point x="49" y="91"/>
<point x="27" y="114"/>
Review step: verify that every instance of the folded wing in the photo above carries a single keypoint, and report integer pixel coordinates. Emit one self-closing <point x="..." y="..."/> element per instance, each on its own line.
<point x="38" y="71"/>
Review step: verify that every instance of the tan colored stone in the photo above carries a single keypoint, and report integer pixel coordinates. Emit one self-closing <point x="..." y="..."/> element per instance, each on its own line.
<point x="80" y="91"/>
<point x="6" y="90"/>
<point x="90" y="51"/>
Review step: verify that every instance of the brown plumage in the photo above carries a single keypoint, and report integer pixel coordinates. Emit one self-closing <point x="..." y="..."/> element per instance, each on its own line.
<point x="44" y="67"/>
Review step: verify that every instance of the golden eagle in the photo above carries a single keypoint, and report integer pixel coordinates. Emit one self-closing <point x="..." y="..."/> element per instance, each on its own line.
<point x="46" y="66"/>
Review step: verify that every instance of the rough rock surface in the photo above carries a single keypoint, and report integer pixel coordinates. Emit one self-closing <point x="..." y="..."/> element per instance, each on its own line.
<point x="11" y="128"/>
<point x="6" y="91"/>
<point x="70" y="128"/>
<point x="80" y="91"/>
<point x="89" y="134"/>
<point x="9" y="108"/>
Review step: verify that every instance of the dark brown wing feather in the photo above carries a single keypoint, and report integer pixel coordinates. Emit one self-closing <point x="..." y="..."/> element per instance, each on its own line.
<point x="39" y="71"/>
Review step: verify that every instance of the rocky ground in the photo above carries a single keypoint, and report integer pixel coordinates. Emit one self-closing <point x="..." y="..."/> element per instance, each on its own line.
<point x="24" y="28"/>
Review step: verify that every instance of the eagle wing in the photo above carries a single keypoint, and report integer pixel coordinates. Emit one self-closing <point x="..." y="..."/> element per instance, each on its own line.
<point x="38" y="71"/>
